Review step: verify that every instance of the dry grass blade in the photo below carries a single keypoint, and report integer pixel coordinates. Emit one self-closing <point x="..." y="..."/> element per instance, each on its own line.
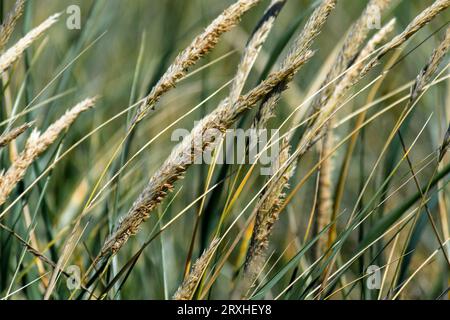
<point x="36" y="144"/>
<point x="29" y="247"/>
<point x="310" y="31"/>
<point x="6" y="138"/>
<point x="200" y="46"/>
<point x="7" y="27"/>
<point x="190" y="284"/>
<point x="16" y="51"/>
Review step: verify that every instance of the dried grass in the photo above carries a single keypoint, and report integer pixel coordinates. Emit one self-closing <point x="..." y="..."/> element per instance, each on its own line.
<point x="16" y="51"/>
<point x="7" y="27"/>
<point x="6" y="138"/>
<point x="36" y="144"/>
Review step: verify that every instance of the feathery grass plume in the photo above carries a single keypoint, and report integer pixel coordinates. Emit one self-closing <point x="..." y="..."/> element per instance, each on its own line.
<point x="7" y="27"/>
<point x="429" y="70"/>
<point x="422" y="19"/>
<point x="202" y="137"/>
<point x="353" y="42"/>
<point x="426" y="75"/>
<point x="190" y="284"/>
<point x="418" y="22"/>
<point x="324" y="205"/>
<point x="253" y="48"/>
<point x="12" y="54"/>
<point x="351" y="77"/>
<point x="267" y="212"/>
<point x="6" y="138"/>
<point x="350" y="49"/>
<point x="267" y="209"/>
<point x="200" y="46"/>
<point x="36" y="144"/>
<point x="310" y="31"/>
<point x="303" y="42"/>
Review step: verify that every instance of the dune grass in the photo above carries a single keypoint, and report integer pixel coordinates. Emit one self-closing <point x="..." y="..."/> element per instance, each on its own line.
<point x="359" y="97"/>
